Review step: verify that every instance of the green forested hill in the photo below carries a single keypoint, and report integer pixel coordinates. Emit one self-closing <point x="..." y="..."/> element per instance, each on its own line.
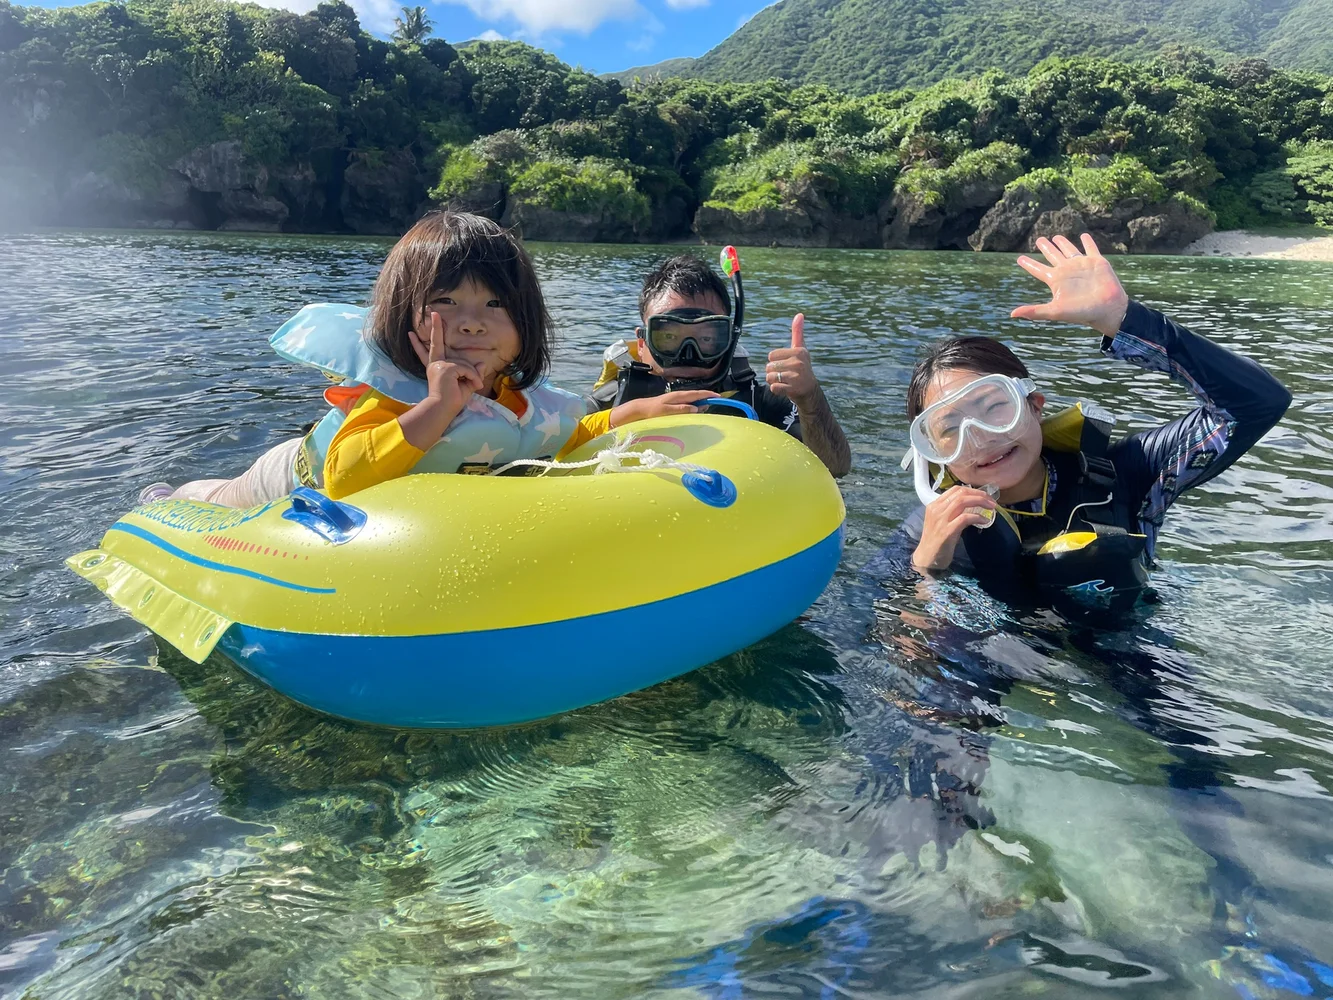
<point x="209" y="114"/>
<point x="865" y="46"/>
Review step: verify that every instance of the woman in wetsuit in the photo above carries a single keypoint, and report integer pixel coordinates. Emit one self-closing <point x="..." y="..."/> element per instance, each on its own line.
<point x="1052" y="504"/>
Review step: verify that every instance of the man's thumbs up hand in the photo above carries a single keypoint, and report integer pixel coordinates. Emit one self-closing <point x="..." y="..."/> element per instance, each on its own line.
<point x="789" y="374"/>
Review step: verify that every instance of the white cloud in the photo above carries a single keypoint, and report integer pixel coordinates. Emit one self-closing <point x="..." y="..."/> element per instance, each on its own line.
<point x="532" y="18"/>
<point x="686" y="4"/>
<point x="491" y="35"/>
<point x="646" y="41"/>
<point x="536" y="17"/>
<point x="375" y="15"/>
<point x="295" y="6"/>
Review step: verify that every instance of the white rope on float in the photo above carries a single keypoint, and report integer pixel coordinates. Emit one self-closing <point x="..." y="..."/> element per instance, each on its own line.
<point x="608" y="460"/>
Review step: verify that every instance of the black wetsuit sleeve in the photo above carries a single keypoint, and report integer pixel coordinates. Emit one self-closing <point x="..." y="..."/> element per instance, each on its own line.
<point x="776" y="411"/>
<point x="1238" y="401"/>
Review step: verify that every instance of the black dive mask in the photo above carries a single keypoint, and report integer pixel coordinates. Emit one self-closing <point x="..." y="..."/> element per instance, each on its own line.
<point x="696" y="338"/>
<point x="689" y="338"/>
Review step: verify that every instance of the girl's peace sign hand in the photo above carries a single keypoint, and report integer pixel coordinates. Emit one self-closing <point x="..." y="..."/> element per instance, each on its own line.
<point x="1084" y="288"/>
<point x="450" y="382"/>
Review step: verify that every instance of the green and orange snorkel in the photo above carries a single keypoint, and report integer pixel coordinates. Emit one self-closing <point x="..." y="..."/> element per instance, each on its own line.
<point x="731" y="266"/>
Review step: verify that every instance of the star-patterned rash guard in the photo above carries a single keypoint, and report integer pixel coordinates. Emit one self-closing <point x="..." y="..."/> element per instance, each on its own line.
<point x="369" y="447"/>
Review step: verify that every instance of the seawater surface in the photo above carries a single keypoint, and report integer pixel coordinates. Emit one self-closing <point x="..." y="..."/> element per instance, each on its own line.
<point x="913" y="791"/>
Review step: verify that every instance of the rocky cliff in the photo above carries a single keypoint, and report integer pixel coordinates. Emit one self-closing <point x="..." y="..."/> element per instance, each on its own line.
<point x="220" y="187"/>
<point x="1025" y="214"/>
<point x="984" y="216"/>
<point x="668" y="220"/>
<point x="804" y="219"/>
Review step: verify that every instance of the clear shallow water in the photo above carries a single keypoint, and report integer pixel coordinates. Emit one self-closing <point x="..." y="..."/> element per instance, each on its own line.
<point x="910" y="792"/>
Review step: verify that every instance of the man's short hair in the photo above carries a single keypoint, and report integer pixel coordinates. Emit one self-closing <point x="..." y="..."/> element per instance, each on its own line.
<point x="685" y="275"/>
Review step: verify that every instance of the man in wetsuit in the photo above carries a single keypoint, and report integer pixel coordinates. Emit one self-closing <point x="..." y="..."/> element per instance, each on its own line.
<point x="684" y="300"/>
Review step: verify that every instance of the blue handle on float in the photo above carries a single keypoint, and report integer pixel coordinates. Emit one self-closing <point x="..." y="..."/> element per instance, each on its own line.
<point x="710" y="486"/>
<point x="333" y="521"/>
<point x="745" y="408"/>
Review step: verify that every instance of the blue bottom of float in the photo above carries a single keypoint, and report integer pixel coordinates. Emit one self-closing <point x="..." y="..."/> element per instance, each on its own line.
<point x="506" y="676"/>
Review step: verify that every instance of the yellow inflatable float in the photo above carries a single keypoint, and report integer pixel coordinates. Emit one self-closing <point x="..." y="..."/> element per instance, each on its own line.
<point x="456" y="601"/>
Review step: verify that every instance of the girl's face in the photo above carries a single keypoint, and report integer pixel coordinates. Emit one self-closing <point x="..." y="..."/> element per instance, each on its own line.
<point x="477" y="330"/>
<point x="1004" y="461"/>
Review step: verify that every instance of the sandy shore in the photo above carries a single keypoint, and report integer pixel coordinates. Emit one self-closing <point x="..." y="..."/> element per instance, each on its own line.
<point x="1238" y="243"/>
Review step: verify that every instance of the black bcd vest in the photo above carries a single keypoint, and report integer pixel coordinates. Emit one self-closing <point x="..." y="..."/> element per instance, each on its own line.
<point x="637" y="381"/>
<point x="1107" y="572"/>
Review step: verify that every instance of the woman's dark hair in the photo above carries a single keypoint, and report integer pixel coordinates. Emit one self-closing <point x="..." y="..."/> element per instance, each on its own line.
<point x="437" y="255"/>
<point x="974" y="354"/>
<point x="685" y="275"/>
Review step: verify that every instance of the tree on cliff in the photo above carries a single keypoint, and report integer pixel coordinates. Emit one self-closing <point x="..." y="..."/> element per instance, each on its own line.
<point x="413" y="27"/>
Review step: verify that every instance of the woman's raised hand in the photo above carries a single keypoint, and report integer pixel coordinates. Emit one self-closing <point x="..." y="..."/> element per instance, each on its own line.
<point x="1084" y="288"/>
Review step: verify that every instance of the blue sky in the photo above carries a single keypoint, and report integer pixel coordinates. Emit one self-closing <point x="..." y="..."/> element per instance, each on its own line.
<point x="601" y="35"/>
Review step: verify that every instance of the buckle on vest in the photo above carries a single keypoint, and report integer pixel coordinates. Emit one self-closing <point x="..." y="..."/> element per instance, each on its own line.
<point x="637" y="381"/>
<point x="304" y="468"/>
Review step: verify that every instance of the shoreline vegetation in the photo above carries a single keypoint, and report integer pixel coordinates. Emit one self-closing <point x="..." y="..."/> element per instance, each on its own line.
<point x="201" y="114"/>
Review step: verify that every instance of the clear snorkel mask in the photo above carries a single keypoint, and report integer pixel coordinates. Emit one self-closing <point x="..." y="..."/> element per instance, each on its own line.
<point x="964" y="424"/>
<point x="695" y="338"/>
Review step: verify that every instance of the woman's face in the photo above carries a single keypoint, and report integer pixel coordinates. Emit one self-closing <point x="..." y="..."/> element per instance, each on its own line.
<point x="1000" y="460"/>
<point x="477" y="330"/>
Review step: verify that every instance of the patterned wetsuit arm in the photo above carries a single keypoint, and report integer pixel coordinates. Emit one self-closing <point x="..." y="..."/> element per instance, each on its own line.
<point x="1238" y="403"/>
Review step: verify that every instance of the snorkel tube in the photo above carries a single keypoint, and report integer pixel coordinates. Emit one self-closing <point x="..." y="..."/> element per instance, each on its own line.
<point x="731" y="266"/>
<point x="925" y="492"/>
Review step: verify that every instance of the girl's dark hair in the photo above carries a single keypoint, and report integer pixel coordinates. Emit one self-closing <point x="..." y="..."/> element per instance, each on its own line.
<point x="688" y="276"/>
<point x="974" y="354"/>
<point x="437" y="255"/>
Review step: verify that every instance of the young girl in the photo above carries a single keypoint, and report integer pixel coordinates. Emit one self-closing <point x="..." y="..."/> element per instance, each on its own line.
<point x="1054" y="504"/>
<point x="445" y="374"/>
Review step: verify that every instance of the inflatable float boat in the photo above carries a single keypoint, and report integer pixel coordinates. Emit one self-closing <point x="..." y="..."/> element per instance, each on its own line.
<point x="440" y="600"/>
